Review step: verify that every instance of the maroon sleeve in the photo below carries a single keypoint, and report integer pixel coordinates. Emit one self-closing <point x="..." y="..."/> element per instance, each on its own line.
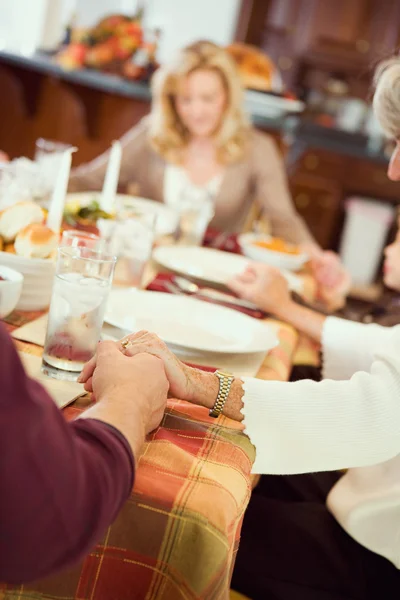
<point x="61" y="483"/>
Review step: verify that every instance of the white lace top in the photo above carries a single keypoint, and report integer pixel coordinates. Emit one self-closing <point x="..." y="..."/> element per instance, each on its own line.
<point x="177" y="185"/>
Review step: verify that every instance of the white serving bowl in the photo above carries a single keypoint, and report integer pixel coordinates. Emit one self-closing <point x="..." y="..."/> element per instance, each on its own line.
<point x="281" y="260"/>
<point x="10" y="290"/>
<point x="38" y="274"/>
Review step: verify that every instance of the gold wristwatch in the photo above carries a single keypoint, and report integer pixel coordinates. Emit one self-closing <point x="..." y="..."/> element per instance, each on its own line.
<point x="225" y="383"/>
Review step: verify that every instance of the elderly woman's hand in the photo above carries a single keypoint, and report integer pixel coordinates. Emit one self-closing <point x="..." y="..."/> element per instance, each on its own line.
<point x="263" y="285"/>
<point x="181" y="377"/>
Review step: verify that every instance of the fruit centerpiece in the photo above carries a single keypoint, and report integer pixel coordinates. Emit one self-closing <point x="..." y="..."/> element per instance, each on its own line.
<point x="117" y="44"/>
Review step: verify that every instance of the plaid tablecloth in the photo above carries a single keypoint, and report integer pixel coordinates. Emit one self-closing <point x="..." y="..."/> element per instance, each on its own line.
<point x="177" y="535"/>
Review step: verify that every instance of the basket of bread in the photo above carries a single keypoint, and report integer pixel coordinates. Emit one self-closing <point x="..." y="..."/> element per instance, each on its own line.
<point x="28" y="246"/>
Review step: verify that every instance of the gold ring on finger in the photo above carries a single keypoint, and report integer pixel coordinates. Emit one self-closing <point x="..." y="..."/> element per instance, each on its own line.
<point x="126" y="343"/>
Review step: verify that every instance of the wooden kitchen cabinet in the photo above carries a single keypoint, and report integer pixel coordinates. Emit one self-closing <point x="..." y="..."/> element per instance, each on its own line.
<point x="320" y="182"/>
<point x="322" y="163"/>
<point x="348" y="36"/>
<point x="350" y="33"/>
<point x="370" y="179"/>
<point x="318" y="201"/>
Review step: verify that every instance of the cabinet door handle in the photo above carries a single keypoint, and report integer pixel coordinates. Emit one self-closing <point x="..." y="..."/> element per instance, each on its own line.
<point x="302" y="200"/>
<point x="362" y="46"/>
<point x="311" y="162"/>
<point x="324" y="202"/>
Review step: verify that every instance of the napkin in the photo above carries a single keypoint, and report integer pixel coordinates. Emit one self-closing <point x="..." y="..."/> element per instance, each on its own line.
<point x="159" y="285"/>
<point x="62" y="392"/>
<point x="221" y="241"/>
<point x="33" y="332"/>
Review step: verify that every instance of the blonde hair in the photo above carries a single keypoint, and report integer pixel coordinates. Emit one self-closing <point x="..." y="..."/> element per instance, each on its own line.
<point x="386" y="100"/>
<point x="168" y="135"/>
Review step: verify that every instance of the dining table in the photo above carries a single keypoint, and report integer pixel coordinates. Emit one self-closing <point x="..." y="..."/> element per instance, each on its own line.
<point x="177" y="536"/>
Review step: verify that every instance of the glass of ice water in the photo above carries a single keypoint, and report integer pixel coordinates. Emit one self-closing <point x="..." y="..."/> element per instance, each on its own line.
<point x="48" y="156"/>
<point x="196" y="208"/>
<point x="81" y="239"/>
<point x="131" y="239"/>
<point x="81" y="287"/>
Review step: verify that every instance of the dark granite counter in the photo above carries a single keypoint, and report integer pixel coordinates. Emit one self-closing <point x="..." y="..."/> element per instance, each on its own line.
<point x="307" y="134"/>
<point x="112" y="84"/>
<point x="303" y="133"/>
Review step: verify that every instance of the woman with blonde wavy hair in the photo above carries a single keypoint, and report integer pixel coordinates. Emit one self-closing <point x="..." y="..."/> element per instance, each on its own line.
<point x="198" y="140"/>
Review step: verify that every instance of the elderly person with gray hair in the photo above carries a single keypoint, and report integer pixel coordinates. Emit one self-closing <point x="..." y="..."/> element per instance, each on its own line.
<point x="327" y="536"/>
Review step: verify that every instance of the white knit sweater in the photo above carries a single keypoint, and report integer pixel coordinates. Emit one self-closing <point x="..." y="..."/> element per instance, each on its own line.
<point x="352" y="422"/>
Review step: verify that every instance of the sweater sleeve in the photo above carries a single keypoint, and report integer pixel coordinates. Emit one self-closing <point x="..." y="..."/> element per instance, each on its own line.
<point x="62" y="484"/>
<point x="272" y="191"/>
<point x="308" y="426"/>
<point x="349" y="347"/>
<point x="90" y="176"/>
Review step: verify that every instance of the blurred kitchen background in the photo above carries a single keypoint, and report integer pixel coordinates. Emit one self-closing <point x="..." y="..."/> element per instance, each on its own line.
<point x="60" y="79"/>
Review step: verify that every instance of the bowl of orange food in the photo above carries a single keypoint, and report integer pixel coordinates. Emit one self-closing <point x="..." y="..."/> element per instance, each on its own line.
<point x="272" y="251"/>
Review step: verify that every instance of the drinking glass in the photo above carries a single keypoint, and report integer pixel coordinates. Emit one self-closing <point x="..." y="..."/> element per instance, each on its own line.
<point x="81" y="287"/>
<point x="131" y="239"/>
<point x="48" y="155"/>
<point x="76" y="238"/>
<point x="49" y="148"/>
<point x="196" y="208"/>
<point x="17" y="183"/>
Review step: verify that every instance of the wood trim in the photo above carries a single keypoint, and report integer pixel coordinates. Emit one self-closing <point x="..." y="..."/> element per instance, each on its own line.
<point x="252" y="21"/>
<point x="243" y="21"/>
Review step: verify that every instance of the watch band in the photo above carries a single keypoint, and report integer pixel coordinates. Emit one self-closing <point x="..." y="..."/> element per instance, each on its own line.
<point x="225" y="383"/>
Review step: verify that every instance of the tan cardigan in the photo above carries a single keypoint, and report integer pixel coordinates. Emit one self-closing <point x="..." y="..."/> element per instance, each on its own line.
<point x="260" y="175"/>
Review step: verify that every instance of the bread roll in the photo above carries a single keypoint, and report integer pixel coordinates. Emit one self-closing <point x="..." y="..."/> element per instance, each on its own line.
<point x="36" y="241"/>
<point x="10" y="248"/>
<point x="16" y="217"/>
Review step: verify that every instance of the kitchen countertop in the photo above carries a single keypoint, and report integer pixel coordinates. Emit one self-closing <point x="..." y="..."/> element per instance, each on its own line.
<point x="104" y="82"/>
<point x="305" y="134"/>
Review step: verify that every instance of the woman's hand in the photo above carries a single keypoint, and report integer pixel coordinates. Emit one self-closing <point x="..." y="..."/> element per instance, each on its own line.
<point x="185" y="383"/>
<point x="263" y="285"/>
<point x="332" y="278"/>
<point x="117" y="381"/>
<point x="181" y="377"/>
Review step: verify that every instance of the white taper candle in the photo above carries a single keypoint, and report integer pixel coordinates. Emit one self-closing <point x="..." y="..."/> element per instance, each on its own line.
<point x="110" y="186"/>
<point x="57" y="202"/>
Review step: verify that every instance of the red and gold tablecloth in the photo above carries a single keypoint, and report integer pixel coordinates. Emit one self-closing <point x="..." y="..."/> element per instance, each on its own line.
<point x="177" y="536"/>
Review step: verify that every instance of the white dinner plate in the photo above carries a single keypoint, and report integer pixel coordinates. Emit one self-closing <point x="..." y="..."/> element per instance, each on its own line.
<point x="167" y="219"/>
<point x="209" y="265"/>
<point x="268" y="105"/>
<point x="189" y="323"/>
